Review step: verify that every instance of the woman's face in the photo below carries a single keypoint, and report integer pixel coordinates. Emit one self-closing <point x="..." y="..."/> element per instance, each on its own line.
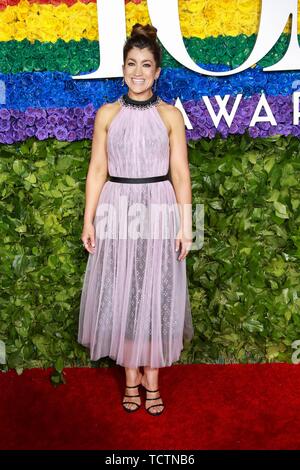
<point x="140" y="71"/>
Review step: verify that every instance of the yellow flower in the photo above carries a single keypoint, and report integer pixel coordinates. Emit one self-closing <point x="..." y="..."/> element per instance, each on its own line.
<point x="8" y="16"/>
<point x="193" y="6"/>
<point x="198" y="18"/>
<point x="249" y="6"/>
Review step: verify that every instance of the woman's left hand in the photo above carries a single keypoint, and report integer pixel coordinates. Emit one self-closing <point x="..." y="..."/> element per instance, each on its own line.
<point x="183" y="238"/>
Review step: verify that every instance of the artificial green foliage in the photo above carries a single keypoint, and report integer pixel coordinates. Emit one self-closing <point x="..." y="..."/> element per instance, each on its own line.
<point x="244" y="282"/>
<point x="42" y="193"/>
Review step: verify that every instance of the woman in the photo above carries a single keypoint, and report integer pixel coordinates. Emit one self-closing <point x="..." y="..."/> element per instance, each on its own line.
<point x="135" y="304"/>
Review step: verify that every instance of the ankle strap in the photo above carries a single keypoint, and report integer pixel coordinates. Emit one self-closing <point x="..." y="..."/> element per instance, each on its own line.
<point x="132" y="386"/>
<point x="151" y="391"/>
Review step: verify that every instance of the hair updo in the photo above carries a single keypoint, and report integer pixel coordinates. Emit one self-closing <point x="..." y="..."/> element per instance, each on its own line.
<point x="141" y="37"/>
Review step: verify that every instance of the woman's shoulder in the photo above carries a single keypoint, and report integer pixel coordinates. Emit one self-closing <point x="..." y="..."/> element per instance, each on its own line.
<point x="171" y="112"/>
<point x="163" y="104"/>
<point x="106" y="110"/>
<point x="109" y="105"/>
<point x="169" y="107"/>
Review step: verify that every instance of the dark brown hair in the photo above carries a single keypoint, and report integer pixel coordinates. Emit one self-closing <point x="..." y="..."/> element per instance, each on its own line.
<point x="141" y="37"/>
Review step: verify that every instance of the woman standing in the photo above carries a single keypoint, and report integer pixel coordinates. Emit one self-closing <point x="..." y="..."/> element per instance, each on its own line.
<point x="135" y="304"/>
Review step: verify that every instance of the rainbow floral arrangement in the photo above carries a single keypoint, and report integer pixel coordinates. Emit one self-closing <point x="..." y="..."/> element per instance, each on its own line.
<point x="42" y="47"/>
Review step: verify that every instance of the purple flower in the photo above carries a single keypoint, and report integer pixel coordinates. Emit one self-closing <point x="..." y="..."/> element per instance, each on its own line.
<point x="89" y="110"/>
<point x="30" y="131"/>
<point x="52" y="119"/>
<point x="4" y="124"/>
<point x="29" y="120"/>
<point x="4" y="114"/>
<point x="254" y="132"/>
<point x="42" y="134"/>
<point x="41" y="122"/>
<point x="60" y="133"/>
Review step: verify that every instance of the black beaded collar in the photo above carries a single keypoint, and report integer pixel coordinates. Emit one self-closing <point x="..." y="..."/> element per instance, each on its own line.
<point x="125" y="100"/>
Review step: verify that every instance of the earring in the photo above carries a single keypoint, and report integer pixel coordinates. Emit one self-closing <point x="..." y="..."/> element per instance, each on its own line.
<point x="123" y="82"/>
<point x="155" y="83"/>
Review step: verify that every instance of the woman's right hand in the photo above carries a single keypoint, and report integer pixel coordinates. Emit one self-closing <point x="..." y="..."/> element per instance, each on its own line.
<point x="88" y="237"/>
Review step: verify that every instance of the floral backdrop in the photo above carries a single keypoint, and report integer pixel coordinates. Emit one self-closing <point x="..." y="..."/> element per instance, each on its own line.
<point x="42" y="47"/>
<point x="244" y="282"/>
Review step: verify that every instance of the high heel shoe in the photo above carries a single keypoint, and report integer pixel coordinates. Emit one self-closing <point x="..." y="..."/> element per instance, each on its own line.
<point x="153" y="406"/>
<point x="130" y="410"/>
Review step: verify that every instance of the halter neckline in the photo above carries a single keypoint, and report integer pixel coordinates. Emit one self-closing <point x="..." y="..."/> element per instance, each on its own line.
<point x="140" y="104"/>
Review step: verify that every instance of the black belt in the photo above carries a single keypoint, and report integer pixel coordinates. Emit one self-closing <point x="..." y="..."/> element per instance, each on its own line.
<point x="149" y="179"/>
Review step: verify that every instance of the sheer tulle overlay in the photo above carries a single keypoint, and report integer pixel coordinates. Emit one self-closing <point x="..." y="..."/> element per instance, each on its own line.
<point x="135" y="305"/>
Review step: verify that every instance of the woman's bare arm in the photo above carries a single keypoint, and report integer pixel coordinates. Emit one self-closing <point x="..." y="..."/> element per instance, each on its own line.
<point x="98" y="167"/>
<point x="97" y="175"/>
<point x="180" y="175"/>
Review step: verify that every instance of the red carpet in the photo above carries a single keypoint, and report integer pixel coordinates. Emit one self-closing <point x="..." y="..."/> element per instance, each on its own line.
<point x="236" y="406"/>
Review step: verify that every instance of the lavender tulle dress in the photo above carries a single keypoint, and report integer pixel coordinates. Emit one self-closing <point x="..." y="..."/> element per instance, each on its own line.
<point x="135" y="305"/>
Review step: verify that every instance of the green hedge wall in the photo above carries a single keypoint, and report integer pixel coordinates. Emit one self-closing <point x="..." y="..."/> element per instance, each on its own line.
<point x="244" y="282"/>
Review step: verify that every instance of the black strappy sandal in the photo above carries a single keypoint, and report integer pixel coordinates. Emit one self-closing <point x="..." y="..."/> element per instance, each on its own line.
<point x="130" y="410"/>
<point x="152" y="406"/>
